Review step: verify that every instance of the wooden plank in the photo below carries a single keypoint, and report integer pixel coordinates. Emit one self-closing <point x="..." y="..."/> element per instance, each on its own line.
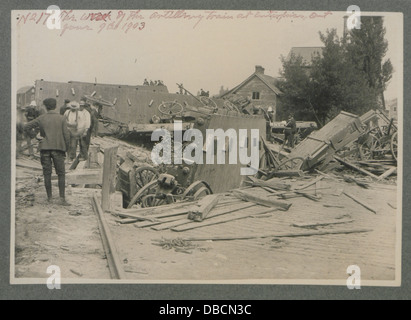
<point x="280" y="235"/>
<point x="360" y="202"/>
<point x="84" y="176"/>
<point x="321" y="224"/>
<point x="223" y="219"/>
<point x="144" y="224"/>
<point x="287" y="173"/>
<point x="309" y="183"/>
<point x="213" y="214"/>
<point x="204" y="206"/>
<point x="109" y="175"/>
<point x="166" y="213"/>
<point x="352" y="166"/>
<point x="262" y="201"/>
<point x="159" y="209"/>
<point x="271" y="183"/>
<point x="387" y="173"/>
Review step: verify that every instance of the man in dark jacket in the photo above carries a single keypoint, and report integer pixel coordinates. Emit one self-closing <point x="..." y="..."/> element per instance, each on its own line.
<point x="53" y="146"/>
<point x="290" y="131"/>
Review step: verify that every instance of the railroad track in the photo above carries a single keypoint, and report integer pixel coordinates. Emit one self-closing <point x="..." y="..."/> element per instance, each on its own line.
<point x="114" y="262"/>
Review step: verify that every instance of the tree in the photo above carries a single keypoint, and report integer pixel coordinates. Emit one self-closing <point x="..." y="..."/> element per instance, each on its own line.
<point x="348" y="76"/>
<point x="366" y="49"/>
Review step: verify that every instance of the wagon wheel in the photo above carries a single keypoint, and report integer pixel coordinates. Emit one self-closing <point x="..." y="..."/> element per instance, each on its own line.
<point x="208" y="102"/>
<point x="197" y="190"/>
<point x="231" y="106"/>
<point x="149" y="189"/>
<point x="394" y="145"/>
<point x="291" y="164"/>
<point x="369" y="148"/>
<point x="154" y="200"/>
<point x="144" y="175"/>
<point x="170" y="108"/>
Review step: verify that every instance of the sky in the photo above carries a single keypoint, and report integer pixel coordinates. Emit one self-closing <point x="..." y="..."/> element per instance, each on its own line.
<point x="201" y="49"/>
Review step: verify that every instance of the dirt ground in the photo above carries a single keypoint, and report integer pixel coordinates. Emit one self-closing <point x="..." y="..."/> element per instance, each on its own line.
<point x="69" y="237"/>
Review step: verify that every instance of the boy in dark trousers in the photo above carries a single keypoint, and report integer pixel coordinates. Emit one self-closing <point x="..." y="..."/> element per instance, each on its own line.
<point x="53" y="146"/>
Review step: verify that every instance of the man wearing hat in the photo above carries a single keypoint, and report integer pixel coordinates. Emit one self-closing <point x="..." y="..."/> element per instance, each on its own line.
<point x="64" y="107"/>
<point x="78" y="123"/>
<point x="53" y="146"/>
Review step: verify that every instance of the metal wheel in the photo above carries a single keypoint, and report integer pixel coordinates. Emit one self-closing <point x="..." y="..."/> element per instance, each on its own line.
<point x="154" y="200"/>
<point x="171" y="108"/>
<point x="231" y="106"/>
<point x="149" y="189"/>
<point x="394" y="145"/>
<point x="291" y="164"/>
<point x="197" y="190"/>
<point x="208" y="102"/>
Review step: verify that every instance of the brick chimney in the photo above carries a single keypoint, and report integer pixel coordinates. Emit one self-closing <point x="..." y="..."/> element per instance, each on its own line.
<point x="259" y="69"/>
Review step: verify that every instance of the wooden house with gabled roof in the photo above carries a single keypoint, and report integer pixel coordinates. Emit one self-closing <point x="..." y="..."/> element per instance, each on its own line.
<point x="260" y="88"/>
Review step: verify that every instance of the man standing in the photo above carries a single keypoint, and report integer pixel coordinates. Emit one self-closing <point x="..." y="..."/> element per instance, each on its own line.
<point x="290" y="131"/>
<point x="53" y="146"/>
<point x="78" y="123"/>
<point x="94" y="112"/>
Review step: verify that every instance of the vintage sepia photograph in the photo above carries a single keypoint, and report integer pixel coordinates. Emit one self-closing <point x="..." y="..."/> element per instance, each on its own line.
<point x="206" y="147"/>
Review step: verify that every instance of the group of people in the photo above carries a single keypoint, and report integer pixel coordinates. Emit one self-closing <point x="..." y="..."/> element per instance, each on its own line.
<point x="153" y="83"/>
<point x="60" y="133"/>
<point x="82" y="123"/>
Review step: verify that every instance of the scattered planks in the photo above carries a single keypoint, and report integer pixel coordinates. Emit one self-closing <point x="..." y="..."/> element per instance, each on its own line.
<point x="353" y="166"/>
<point x="281" y="235"/>
<point x="189" y="224"/>
<point x="253" y="210"/>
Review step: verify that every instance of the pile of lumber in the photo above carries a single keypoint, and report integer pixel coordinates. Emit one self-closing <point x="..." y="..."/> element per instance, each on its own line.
<point x="376" y="169"/>
<point x="209" y="210"/>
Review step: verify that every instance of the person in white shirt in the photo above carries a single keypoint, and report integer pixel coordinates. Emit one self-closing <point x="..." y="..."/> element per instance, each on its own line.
<point x="78" y="123"/>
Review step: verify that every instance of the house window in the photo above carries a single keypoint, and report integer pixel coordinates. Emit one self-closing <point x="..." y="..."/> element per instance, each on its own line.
<point x="256" y="96"/>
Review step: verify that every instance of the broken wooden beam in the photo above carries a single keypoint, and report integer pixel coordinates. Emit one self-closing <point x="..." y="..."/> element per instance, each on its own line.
<point x="203" y="208"/>
<point x="109" y="177"/>
<point x="262" y="201"/>
<point x="353" y="166"/>
<point x="360" y="202"/>
<point x="280" y="235"/>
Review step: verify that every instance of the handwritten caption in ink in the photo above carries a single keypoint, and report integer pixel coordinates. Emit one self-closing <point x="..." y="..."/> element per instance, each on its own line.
<point x="136" y="20"/>
<point x="99" y="22"/>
